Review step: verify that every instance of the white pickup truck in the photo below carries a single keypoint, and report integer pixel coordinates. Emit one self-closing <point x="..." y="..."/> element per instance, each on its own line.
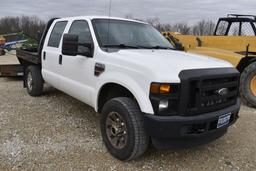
<point x="144" y="89"/>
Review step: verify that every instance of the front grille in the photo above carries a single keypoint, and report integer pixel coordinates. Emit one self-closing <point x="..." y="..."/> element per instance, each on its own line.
<point x="198" y="92"/>
<point x="206" y="95"/>
<point x="208" y="91"/>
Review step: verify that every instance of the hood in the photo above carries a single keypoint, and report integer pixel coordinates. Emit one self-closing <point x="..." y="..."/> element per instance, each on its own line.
<point x="164" y="64"/>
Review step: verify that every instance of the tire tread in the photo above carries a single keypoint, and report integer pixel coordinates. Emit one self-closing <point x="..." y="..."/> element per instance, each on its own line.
<point x="245" y="92"/>
<point x="38" y="86"/>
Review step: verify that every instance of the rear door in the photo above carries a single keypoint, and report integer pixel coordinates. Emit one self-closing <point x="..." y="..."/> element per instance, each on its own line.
<point x="51" y="52"/>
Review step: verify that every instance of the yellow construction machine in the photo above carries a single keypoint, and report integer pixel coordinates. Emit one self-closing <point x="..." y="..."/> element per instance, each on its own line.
<point x="234" y="40"/>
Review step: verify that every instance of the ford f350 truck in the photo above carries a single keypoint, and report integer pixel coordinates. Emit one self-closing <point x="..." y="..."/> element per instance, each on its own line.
<point x="144" y="89"/>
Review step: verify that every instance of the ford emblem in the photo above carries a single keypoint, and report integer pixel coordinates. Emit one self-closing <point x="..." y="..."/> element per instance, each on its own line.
<point x="222" y="91"/>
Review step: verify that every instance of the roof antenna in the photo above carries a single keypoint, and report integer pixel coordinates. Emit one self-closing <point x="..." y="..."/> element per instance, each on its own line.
<point x="109" y="14"/>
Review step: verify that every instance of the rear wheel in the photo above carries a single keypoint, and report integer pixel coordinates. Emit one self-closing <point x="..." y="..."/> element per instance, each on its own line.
<point x="34" y="81"/>
<point x="248" y="84"/>
<point x="122" y="129"/>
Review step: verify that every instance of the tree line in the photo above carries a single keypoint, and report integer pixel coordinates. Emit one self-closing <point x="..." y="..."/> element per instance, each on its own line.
<point x="31" y="25"/>
<point x="201" y="28"/>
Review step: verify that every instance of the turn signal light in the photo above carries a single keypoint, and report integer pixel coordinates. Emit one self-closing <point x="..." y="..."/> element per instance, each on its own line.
<point x="157" y="88"/>
<point x="165" y="88"/>
<point x="154" y="88"/>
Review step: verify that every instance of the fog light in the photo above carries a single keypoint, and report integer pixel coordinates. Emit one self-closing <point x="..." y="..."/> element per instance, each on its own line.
<point x="163" y="105"/>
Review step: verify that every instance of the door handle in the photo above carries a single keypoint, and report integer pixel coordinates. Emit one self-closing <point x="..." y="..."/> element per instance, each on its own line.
<point x="60" y="59"/>
<point x="44" y="55"/>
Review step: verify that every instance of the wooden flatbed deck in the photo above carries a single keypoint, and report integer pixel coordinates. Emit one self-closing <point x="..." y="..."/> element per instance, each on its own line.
<point x="9" y="59"/>
<point x="10" y="65"/>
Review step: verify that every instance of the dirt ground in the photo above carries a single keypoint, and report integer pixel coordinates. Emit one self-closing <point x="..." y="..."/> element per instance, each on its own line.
<point x="57" y="132"/>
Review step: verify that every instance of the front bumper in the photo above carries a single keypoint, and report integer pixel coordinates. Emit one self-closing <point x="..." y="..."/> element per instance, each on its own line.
<point x="187" y="131"/>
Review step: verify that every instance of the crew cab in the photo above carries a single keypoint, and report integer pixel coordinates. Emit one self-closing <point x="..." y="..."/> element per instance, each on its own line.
<point x="144" y="89"/>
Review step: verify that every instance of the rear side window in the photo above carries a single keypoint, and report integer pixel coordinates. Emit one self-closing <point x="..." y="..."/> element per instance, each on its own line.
<point x="56" y="34"/>
<point x="81" y="28"/>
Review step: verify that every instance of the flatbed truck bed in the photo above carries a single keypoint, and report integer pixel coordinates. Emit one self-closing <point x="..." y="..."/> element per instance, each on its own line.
<point x="31" y="56"/>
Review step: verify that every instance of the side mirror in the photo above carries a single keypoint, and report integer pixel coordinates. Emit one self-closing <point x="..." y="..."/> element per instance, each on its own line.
<point x="85" y="49"/>
<point x="70" y="44"/>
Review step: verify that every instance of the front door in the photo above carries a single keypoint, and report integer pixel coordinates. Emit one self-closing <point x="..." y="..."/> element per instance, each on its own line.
<point x="78" y="71"/>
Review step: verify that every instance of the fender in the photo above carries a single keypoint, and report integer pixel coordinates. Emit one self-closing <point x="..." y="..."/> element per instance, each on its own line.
<point x="141" y="95"/>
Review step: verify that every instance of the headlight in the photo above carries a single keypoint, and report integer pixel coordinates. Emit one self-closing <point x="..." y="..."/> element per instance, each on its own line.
<point x="163" y="105"/>
<point x="165" y="98"/>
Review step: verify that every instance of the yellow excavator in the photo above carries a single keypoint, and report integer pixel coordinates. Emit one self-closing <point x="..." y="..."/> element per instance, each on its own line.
<point x="234" y="40"/>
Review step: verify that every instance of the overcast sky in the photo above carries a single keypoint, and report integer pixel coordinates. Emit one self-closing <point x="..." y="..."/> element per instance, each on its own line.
<point x="168" y="11"/>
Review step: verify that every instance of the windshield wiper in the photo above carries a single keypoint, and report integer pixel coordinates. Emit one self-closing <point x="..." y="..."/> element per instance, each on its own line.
<point x="134" y="46"/>
<point x="159" y="47"/>
<point x="121" y="46"/>
<point x="155" y="47"/>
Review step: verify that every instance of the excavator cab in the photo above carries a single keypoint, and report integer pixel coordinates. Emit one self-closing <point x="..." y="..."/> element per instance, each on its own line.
<point x="236" y="25"/>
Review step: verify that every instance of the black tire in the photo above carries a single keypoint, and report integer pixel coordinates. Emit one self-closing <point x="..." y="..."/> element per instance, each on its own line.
<point x="35" y="87"/>
<point x="137" y="139"/>
<point x="245" y="84"/>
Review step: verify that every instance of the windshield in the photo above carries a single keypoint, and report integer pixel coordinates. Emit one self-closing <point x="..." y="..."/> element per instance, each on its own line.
<point x="128" y="34"/>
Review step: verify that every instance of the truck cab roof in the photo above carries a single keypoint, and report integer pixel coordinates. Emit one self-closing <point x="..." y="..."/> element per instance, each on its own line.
<point x="100" y="17"/>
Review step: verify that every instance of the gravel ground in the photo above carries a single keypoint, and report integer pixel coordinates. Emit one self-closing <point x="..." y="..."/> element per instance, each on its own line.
<point x="57" y="132"/>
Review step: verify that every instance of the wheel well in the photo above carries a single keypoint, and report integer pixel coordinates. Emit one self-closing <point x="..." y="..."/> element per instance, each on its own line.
<point x="112" y="90"/>
<point x="244" y="63"/>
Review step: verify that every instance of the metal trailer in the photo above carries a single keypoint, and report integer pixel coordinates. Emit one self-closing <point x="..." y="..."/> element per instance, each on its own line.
<point x="11" y="70"/>
<point x="10" y="66"/>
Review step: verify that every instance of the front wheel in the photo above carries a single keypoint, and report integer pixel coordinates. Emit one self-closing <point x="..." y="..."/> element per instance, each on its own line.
<point x="122" y="129"/>
<point x="34" y="81"/>
<point x="248" y="84"/>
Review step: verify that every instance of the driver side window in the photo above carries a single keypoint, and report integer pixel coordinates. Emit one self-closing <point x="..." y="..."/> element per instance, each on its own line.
<point x="81" y="28"/>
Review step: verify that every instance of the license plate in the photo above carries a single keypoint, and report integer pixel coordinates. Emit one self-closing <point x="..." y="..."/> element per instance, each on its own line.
<point x="223" y="120"/>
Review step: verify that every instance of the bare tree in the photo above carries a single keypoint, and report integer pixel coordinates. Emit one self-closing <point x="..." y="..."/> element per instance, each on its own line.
<point x="182" y="28"/>
<point x="203" y="28"/>
<point x="28" y="25"/>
